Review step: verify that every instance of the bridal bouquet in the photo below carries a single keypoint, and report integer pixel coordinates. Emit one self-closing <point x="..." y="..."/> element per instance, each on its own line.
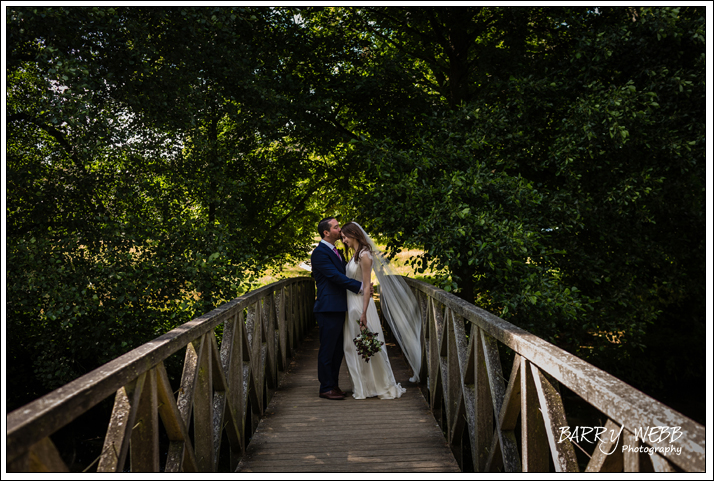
<point x="367" y="343"/>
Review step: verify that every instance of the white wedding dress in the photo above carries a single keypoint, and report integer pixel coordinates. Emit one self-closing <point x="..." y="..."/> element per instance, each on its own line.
<point x="373" y="378"/>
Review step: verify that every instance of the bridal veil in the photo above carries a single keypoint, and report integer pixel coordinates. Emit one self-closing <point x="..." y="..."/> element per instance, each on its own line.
<point x="399" y="307"/>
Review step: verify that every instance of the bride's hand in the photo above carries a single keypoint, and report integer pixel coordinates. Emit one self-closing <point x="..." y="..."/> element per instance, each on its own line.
<point x="363" y="321"/>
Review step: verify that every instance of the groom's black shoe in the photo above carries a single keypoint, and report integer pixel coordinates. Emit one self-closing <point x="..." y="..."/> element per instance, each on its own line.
<point x="340" y="391"/>
<point x="333" y="394"/>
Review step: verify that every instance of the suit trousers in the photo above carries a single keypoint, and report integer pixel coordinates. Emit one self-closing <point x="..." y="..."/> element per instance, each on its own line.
<point x="329" y="357"/>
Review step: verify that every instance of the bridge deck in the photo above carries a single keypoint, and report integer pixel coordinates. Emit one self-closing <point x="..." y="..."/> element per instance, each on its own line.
<point x="304" y="433"/>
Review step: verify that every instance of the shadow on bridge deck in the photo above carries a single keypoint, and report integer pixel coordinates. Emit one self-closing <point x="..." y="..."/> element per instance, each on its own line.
<point x="301" y="432"/>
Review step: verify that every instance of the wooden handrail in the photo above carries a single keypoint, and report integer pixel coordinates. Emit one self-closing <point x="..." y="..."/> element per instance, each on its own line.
<point x="261" y="329"/>
<point x="461" y="376"/>
<point x="464" y="384"/>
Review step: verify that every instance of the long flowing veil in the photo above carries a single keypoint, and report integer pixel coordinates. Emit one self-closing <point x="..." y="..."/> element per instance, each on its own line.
<point x="399" y="307"/>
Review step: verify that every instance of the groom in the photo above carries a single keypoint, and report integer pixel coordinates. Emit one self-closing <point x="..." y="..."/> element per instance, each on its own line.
<point x="328" y="269"/>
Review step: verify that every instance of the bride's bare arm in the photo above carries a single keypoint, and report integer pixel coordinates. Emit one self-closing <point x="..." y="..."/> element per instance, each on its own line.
<point x="366" y="263"/>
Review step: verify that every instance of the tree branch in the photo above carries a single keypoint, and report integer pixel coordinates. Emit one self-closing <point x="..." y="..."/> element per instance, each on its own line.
<point x="421" y="56"/>
<point x="405" y="26"/>
<point x="438" y="30"/>
<point x="61" y="139"/>
<point x="336" y="125"/>
<point x="297" y="205"/>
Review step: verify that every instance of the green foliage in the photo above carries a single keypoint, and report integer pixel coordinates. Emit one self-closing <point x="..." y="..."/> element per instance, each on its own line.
<point x="564" y="190"/>
<point x="472" y="217"/>
<point x="548" y="161"/>
<point x="151" y="176"/>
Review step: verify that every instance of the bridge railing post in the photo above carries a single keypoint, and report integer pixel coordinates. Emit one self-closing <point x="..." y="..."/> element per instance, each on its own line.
<point x="480" y="410"/>
<point x="222" y="390"/>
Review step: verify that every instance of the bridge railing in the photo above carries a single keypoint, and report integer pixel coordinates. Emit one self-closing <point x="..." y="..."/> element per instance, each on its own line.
<point x="513" y="423"/>
<point x="225" y="389"/>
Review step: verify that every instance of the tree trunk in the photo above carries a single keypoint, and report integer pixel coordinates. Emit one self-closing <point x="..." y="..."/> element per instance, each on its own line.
<point x="466" y="274"/>
<point x="458" y="38"/>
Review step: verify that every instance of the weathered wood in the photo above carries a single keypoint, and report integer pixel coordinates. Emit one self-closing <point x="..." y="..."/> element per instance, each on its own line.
<point x="301" y="432"/>
<point x="512" y="398"/>
<point x="426" y="381"/>
<point x="440" y="318"/>
<point x="228" y="345"/>
<point x="630" y="459"/>
<point x="220" y="386"/>
<point x="295" y="419"/>
<point x="410" y="467"/>
<point x="507" y="439"/>
<point x="494" y="371"/>
<point x="40" y="418"/>
<point x="269" y="336"/>
<point x="453" y="399"/>
<point x="252" y="322"/>
<point x="462" y="389"/>
<point x="459" y="359"/>
<point x="376" y="454"/>
<point x="483" y="406"/>
<point x="551" y="407"/>
<point x="27" y="426"/>
<point x="494" y="461"/>
<point x="217" y="373"/>
<point x="189" y="375"/>
<point x="302" y="318"/>
<point x="257" y="359"/>
<point x="232" y="362"/>
<point x="614" y="398"/>
<point x="424" y="370"/>
<point x="660" y="464"/>
<point x="20" y="464"/>
<point x="292" y="341"/>
<point x="534" y="440"/>
<point x="219" y="406"/>
<point x="144" y="441"/>
<point x="233" y="426"/>
<point x="282" y="331"/>
<point x="397" y="434"/>
<point x="181" y="454"/>
<point x="116" y="441"/>
<point x="466" y="364"/>
<point x="44" y="458"/>
<point x="203" y="409"/>
<point x="435" y="379"/>
<point x="607" y="457"/>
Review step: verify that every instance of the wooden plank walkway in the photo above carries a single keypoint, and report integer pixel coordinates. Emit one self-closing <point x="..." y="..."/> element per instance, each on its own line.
<point x="301" y="432"/>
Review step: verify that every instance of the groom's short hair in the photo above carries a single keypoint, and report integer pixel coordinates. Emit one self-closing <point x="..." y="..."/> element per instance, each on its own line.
<point x="323" y="226"/>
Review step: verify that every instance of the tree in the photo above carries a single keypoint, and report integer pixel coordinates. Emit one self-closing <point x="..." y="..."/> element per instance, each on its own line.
<point x="148" y="182"/>
<point x="553" y="163"/>
<point x="549" y="161"/>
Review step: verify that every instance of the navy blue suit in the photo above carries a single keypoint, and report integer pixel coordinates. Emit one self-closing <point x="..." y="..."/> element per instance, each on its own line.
<point x="330" y="308"/>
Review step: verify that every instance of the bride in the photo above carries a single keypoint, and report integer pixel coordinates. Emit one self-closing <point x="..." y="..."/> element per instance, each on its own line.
<point x="375" y="378"/>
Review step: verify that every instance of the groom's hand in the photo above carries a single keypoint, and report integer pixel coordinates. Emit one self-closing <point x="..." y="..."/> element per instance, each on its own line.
<point x="371" y="289"/>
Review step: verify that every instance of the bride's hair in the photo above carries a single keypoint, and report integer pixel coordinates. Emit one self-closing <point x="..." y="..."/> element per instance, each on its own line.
<point x="353" y="231"/>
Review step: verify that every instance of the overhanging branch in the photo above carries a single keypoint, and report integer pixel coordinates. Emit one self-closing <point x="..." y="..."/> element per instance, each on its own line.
<point x="61" y="139"/>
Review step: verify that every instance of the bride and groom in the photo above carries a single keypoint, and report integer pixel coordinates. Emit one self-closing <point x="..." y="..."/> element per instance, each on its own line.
<point x="344" y="305"/>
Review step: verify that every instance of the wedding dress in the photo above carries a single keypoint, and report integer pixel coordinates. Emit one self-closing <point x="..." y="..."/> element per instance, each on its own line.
<point x="373" y="378"/>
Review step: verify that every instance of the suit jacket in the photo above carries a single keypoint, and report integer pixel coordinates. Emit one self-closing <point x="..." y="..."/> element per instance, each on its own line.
<point x="332" y="283"/>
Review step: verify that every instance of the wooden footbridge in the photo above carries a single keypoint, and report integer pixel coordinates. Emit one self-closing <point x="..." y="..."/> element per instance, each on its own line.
<point x="247" y="401"/>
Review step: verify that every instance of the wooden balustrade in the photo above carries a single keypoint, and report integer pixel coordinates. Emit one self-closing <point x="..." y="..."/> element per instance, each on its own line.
<point x="491" y="422"/>
<point x="223" y="389"/>
<point x="480" y="410"/>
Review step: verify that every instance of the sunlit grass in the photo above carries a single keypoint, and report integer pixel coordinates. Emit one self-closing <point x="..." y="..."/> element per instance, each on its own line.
<point x="399" y="263"/>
